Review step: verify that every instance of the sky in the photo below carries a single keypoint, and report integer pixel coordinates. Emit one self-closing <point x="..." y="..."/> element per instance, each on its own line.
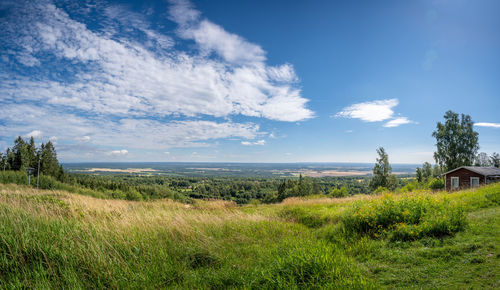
<point x="247" y="80"/>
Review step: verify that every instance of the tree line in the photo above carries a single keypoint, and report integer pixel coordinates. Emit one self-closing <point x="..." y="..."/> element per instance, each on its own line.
<point x="25" y="154"/>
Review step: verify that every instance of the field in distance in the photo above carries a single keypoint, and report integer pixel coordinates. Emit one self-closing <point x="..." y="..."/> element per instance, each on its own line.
<point x="233" y="169"/>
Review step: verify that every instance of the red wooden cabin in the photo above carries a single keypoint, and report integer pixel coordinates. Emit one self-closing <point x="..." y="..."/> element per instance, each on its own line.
<point x="470" y="176"/>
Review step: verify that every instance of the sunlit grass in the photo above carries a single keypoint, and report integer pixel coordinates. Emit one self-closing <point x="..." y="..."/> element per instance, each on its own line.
<point x="55" y="239"/>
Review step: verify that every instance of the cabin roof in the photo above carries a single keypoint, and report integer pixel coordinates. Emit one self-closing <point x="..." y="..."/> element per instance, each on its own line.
<point x="485" y="171"/>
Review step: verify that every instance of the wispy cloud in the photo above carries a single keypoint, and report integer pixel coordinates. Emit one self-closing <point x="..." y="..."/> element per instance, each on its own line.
<point x="116" y="153"/>
<point x="485" y="124"/>
<point x="259" y="142"/>
<point x="128" y="80"/>
<point x="397" y="122"/>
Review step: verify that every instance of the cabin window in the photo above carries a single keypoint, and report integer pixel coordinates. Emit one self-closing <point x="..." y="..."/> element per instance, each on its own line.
<point x="474" y="182"/>
<point x="454" y="182"/>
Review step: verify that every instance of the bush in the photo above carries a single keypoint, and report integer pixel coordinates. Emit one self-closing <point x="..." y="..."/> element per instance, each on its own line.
<point x="408" y="218"/>
<point x="380" y="189"/>
<point x="436" y="184"/>
<point x="17" y="177"/>
<point x="133" y="195"/>
<point x="339" y="192"/>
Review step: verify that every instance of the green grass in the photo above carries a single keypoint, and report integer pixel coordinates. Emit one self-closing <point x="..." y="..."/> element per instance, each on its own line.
<point x="54" y="239"/>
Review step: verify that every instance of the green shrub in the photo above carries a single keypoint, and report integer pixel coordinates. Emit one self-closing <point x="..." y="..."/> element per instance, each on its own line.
<point x="339" y="192"/>
<point x="436" y="184"/>
<point x="17" y="177"/>
<point x="380" y="189"/>
<point x="407" y="218"/>
<point x="133" y="195"/>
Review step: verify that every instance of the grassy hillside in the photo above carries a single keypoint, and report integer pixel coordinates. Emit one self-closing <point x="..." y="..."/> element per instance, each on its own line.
<point x="54" y="239"/>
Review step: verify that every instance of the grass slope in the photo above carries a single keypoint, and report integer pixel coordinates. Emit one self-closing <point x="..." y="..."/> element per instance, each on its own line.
<point x="53" y="239"/>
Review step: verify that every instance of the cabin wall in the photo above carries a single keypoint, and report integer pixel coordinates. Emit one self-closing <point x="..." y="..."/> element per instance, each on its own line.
<point x="464" y="176"/>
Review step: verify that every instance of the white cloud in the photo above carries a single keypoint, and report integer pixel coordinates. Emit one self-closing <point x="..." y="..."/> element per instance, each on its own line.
<point x="83" y="139"/>
<point x="233" y="48"/>
<point x="248" y="143"/>
<point x="375" y="111"/>
<point x="397" y="122"/>
<point x="123" y="77"/>
<point x="36" y="134"/>
<point x="128" y="84"/>
<point x="370" y="111"/>
<point x="484" y="124"/>
<point x="122" y="152"/>
<point x="135" y="133"/>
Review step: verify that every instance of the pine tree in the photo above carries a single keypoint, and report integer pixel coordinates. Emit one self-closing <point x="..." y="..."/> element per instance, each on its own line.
<point x="32" y="153"/>
<point x="21" y="156"/>
<point x="49" y="164"/>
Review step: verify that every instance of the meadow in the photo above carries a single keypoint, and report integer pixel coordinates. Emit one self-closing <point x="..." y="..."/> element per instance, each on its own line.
<point x="423" y="239"/>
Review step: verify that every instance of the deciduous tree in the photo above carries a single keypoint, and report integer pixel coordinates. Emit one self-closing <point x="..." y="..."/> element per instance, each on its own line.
<point x="382" y="172"/>
<point x="456" y="141"/>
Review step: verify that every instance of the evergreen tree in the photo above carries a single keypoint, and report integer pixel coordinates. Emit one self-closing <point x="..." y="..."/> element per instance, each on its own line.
<point x="21" y="155"/>
<point x="456" y="141"/>
<point x="10" y="159"/>
<point x="382" y="172"/>
<point x="3" y="161"/>
<point x="32" y="153"/>
<point x="48" y="163"/>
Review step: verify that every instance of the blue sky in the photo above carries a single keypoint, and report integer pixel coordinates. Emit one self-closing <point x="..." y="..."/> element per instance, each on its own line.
<point x="247" y="81"/>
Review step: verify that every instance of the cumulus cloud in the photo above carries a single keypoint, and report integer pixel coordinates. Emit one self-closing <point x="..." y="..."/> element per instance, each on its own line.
<point x="374" y="111"/>
<point x="123" y="79"/>
<point x="370" y="111"/>
<point x="485" y="124"/>
<point x="259" y="142"/>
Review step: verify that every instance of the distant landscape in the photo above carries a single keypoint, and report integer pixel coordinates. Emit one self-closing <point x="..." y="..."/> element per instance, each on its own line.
<point x="215" y="169"/>
<point x="249" y="144"/>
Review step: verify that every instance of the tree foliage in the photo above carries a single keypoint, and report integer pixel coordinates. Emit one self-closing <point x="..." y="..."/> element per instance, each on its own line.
<point x="382" y="172"/>
<point x="25" y="154"/>
<point x="456" y="141"/>
<point x="482" y="159"/>
<point x="495" y="159"/>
